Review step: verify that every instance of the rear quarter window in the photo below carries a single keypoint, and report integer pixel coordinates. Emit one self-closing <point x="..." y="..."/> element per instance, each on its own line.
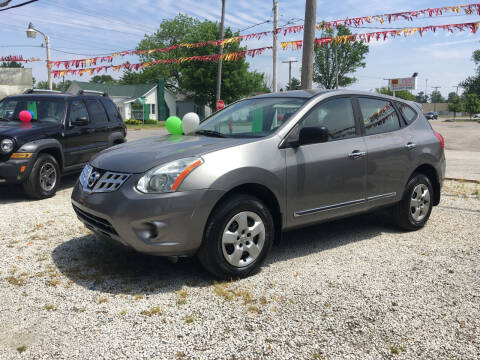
<point x="113" y="113"/>
<point x="408" y="113"/>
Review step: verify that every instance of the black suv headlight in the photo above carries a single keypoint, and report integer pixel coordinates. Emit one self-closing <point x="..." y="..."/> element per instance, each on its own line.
<point x="6" y="146"/>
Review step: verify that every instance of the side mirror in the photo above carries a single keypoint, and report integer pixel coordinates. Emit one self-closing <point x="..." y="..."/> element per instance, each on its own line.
<point x="80" y="121"/>
<point x="312" y="135"/>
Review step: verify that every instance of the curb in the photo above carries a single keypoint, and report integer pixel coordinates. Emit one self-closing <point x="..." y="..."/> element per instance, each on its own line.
<point x="463" y="180"/>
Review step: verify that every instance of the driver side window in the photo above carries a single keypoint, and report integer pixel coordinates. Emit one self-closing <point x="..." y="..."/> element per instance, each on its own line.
<point x="336" y="115"/>
<point x="78" y="110"/>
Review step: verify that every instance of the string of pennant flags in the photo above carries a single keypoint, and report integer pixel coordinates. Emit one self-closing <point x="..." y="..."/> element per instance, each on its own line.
<point x="17" y="58"/>
<point x="294" y="45"/>
<point x="469" y="9"/>
<point x="127" y="66"/>
<point x="383" y="35"/>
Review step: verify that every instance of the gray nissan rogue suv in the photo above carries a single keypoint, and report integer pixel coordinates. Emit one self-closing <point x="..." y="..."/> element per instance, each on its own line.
<point x="262" y="165"/>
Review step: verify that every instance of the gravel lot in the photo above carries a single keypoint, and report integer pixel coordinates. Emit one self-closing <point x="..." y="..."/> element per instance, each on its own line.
<point x="352" y="289"/>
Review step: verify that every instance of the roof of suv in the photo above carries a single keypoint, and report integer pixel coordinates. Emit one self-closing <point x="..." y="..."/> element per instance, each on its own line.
<point x="58" y="96"/>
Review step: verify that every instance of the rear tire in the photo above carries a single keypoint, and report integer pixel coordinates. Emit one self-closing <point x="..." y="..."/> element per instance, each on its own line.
<point x="44" y="178"/>
<point x="413" y="212"/>
<point x="238" y="237"/>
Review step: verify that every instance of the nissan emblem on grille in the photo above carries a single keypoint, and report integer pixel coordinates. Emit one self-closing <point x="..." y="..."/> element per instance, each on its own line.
<point x="93" y="179"/>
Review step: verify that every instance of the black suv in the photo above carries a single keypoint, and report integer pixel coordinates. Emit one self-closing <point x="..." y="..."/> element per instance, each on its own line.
<point x="64" y="132"/>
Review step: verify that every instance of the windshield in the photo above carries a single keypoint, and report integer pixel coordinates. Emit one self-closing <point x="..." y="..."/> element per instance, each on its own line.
<point x="257" y="117"/>
<point x="43" y="110"/>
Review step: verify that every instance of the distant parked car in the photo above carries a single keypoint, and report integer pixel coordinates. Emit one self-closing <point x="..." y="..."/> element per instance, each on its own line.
<point x="261" y="166"/>
<point x="476" y="116"/>
<point x="431" y="115"/>
<point x="63" y="133"/>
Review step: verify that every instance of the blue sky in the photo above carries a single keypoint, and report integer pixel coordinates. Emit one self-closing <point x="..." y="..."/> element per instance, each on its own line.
<point x="101" y="26"/>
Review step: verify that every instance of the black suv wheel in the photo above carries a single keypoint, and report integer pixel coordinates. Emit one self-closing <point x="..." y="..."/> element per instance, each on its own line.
<point x="44" y="178"/>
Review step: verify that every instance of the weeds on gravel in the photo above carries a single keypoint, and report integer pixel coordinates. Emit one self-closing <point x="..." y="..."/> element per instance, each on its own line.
<point x="50" y="307"/>
<point x="102" y="300"/>
<point x="156" y="310"/>
<point x="123" y="312"/>
<point x="395" y="350"/>
<point x="182" y="293"/>
<point x="223" y="290"/>
<point x="181" y="302"/>
<point x="17" y="281"/>
<point x="138" y="297"/>
<point x="189" y="319"/>
<point x="254" y="309"/>
<point x="317" y="355"/>
<point x="53" y="282"/>
<point x="21" y="349"/>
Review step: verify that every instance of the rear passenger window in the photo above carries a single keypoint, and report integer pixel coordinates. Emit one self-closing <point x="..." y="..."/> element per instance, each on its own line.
<point x="112" y="110"/>
<point x="336" y="115"/>
<point x="408" y="113"/>
<point x="97" y="111"/>
<point x="379" y="116"/>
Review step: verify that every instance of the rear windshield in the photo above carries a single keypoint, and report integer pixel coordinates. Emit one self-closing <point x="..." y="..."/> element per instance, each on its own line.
<point x="42" y="110"/>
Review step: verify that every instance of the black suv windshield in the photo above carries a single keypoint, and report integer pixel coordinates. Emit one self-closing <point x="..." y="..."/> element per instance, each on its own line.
<point x="255" y="117"/>
<point x="43" y="110"/>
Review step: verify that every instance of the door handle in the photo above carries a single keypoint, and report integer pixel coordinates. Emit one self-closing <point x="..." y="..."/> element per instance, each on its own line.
<point x="357" y="154"/>
<point x="410" y="146"/>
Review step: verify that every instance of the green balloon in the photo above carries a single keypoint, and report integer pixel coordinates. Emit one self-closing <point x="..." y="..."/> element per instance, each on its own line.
<point x="174" y="125"/>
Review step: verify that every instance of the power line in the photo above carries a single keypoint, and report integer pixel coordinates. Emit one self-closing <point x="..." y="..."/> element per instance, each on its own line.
<point x="18" y="5"/>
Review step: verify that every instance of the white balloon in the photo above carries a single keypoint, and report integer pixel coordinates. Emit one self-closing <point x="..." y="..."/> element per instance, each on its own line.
<point x="190" y="123"/>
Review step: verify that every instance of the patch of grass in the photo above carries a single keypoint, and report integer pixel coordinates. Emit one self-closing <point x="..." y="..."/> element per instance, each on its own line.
<point x="223" y="290"/>
<point x="53" y="282"/>
<point x="254" y="309"/>
<point x="21" y="349"/>
<point x="189" y="319"/>
<point x="50" y="307"/>
<point x="395" y="350"/>
<point x="263" y="301"/>
<point x="138" y="297"/>
<point x="394" y="303"/>
<point x="123" y="312"/>
<point x="180" y="355"/>
<point x="317" y="355"/>
<point x="17" y="281"/>
<point x="156" y="310"/>
<point x="182" y="293"/>
<point x="181" y="302"/>
<point x="102" y="300"/>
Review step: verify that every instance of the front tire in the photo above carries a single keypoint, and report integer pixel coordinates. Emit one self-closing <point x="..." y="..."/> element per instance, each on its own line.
<point x="44" y="178"/>
<point x="238" y="237"/>
<point x="413" y="212"/>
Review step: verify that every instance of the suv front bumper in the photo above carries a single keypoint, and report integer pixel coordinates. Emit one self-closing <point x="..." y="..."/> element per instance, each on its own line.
<point x="157" y="224"/>
<point x="15" y="171"/>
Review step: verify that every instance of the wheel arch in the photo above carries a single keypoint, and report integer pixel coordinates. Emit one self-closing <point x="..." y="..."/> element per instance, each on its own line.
<point x="261" y="192"/>
<point x="430" y="172"/>
<point x="45" y="146"/>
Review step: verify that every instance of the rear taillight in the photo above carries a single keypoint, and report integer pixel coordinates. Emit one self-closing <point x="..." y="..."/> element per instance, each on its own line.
<point x="440" y="137"/>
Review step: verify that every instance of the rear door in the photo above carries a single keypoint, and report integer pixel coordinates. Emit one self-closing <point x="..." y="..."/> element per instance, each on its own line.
<point x="115" y="121"/>
<point x="99" y="123"/>
<point x="327" y="180"/>
<point x="79" y="144"/>
<point x="389" y="147"/>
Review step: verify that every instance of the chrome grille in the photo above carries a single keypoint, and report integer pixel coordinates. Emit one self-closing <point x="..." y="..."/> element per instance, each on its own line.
<point x="96" y="180"/>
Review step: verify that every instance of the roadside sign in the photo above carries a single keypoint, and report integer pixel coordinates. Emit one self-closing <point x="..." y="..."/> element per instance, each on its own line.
<point x="409" y="83"/>
<point x="220" y="104"/>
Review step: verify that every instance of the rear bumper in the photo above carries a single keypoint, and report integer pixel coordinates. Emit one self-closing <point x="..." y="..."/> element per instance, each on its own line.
<point x="162" y="224"/>
<point x="11" y="171"/>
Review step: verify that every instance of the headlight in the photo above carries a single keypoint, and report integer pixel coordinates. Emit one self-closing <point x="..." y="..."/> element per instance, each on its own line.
<point x="168" y="177"/>
<point x="6" y="146"/>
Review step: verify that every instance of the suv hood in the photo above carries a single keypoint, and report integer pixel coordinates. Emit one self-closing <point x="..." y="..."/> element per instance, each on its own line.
<point x="26" y="131"/>
<point x="141" y="155"/>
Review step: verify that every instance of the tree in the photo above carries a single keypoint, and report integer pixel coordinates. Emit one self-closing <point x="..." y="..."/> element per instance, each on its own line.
<point x="62" y="86"/>
<point x="196" y="79"/>
<point x="403" y="94"/>
<point x="472" y="104"/>
<point x="421" y="97"/>
<point x="294" y="84"/>
<point x="103" y="79"/>
<point x="436" y="97"/>
<point x="451" y="95"/>
<point x="11" y="64"/>
<point x="349" y="56"/>
<point x="472" y="83"/>
<point x="455" y="105"/>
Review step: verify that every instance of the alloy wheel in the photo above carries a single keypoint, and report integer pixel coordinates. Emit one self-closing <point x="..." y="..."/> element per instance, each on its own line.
<point x="243" y="239"/>
<point x="420" y="202"/>
<point x="48" y="176"/>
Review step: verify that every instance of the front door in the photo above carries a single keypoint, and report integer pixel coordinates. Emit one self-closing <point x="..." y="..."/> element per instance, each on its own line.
<point x="79" y="140"/>
<point x="388" y="163"/>
<point x="327" y="180"/>
<point x="99" y="124"/>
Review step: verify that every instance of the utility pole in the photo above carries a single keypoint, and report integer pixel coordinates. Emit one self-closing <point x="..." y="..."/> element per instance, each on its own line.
<point x="219" y="75"/>
<point x="426" y="86"/>
<point x="308" y="39"/>
<point x="456" y="86"/>
<point x="275" y="42"/>
<point x="290" y="61"/>
<point x="435" y="104"/>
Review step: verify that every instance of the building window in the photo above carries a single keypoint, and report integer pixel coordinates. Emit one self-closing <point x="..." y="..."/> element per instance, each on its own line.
<point x="153" y="109"/>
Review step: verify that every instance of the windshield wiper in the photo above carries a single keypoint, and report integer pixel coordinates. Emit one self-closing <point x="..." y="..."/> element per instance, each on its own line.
<point x="210" y="133"/>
